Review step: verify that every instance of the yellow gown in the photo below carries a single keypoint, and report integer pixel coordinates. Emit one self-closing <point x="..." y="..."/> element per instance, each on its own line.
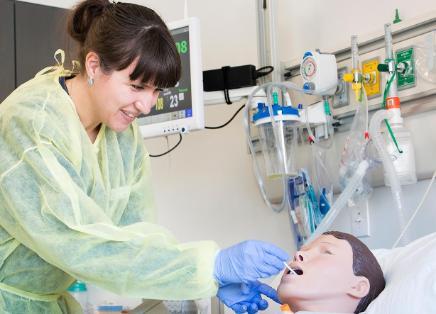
<point x="71" y="209"/>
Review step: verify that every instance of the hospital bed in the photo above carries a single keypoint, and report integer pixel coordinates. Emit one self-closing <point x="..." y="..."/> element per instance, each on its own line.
<point x="410" y="274"/>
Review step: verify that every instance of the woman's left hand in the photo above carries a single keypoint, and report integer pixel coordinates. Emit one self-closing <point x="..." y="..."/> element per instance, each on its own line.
<point x="243" y="298"/>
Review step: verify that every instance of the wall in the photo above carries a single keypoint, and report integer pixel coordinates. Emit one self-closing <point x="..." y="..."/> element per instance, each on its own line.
<point x="328" y="25"/>
<point x="228" y="28"/>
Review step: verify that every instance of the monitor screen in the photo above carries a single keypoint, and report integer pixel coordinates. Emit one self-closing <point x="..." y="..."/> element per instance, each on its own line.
<point x="180" y="109"/>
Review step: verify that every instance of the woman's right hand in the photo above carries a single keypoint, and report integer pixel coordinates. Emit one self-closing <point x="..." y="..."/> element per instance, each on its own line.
<point x="248" y="261"/>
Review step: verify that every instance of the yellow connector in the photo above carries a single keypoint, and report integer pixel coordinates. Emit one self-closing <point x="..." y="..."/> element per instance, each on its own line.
<point x="371" y="82"/>
<point x="348" y="77"/>
<point x="355" y="78"/>
<point x="357" y="87"/>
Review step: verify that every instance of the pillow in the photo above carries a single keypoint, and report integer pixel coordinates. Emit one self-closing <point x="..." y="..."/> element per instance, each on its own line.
<point x="410" y="274"/>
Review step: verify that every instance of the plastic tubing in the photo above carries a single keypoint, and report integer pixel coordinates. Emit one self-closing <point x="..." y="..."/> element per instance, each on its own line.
<point x="312" y="136"/>
<point x="374" y="130"/>
<point x="341" y="201"/>
<point x="354" y="52"/>
<point x="403" y="232"/>
<point x="267" y="87"/>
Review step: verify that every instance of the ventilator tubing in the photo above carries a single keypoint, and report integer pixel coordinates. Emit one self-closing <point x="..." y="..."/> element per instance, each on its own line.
<point x="341" y="201"/>
<point x="375" y="131"/>
<point x="403" y="232"/>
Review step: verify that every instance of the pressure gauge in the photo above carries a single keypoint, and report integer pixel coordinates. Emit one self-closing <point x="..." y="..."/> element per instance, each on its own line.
<point x="308" y="68"/>
<point x="319" y="73"/>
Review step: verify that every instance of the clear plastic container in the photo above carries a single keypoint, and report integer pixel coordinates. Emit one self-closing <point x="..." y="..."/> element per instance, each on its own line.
<point x="404" y="163"/>
<point x="287" y="137"/>
<point x="79" y="291"/>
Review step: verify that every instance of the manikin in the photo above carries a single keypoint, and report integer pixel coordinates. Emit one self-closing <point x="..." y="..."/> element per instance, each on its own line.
<point x="336" y="273"/>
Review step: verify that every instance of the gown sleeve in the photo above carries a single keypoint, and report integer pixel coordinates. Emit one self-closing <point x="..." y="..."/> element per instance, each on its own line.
<point x="43" y="205"/>
<point x="141" y="194"/>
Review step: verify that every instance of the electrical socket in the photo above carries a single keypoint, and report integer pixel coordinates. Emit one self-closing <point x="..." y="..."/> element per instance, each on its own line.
<point x="360" y="226"/>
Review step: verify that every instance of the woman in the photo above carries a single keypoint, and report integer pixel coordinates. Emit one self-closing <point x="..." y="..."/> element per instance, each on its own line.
<point x="75" y="198"/>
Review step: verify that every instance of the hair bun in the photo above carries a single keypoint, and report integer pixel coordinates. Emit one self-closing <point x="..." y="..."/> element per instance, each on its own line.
<point x="82" y="17"/>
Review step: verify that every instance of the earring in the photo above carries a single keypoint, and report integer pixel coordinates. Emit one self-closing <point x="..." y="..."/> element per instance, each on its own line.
<point x="90" y="81"/>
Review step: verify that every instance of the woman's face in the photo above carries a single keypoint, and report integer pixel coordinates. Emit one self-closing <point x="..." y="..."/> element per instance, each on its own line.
<point x="325" y="270"/>
<point x="118" y="101"/>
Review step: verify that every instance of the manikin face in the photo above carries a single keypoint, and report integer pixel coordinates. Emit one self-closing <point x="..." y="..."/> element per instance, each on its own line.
<point x="119" y="100"/>
<point x="325" y="273"/>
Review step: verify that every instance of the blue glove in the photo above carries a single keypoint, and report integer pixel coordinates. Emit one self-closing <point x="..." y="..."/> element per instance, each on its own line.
<point x="248" y="261"/>
<point x="243" y="298"/>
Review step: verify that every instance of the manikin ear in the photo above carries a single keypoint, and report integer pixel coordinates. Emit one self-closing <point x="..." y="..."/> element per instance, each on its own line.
<point x="92" y="64"/>
<point x="360" y="287"/>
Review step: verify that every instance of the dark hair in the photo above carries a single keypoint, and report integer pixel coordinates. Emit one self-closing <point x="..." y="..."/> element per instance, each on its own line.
<point x="364" y="264"/>
<point x="122" y="32"/>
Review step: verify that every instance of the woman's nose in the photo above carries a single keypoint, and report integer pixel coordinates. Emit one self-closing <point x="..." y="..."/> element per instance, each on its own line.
<point x="142" y="107"/>
<point x="145" y="103"/>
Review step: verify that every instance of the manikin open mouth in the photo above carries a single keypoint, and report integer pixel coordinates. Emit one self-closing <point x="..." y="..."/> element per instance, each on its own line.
<point x="296" y="270"/>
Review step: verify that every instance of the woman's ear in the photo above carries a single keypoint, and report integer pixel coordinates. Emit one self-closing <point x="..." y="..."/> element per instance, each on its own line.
<point x="360" y="287"/>
<point x="92" y="64"/>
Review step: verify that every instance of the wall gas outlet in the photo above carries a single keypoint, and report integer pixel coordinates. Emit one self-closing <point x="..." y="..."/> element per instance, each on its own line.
<point x="372" y="77"/>
<point x="406" y="78"/>
<point x="360" y="226"/>
<point x="341" y="95"/>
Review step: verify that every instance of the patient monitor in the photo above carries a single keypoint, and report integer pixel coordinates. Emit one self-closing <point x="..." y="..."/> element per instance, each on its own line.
<point x="180" y="109"/>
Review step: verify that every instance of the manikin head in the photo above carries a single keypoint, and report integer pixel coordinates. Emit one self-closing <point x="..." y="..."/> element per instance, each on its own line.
<point x="336" y="273"/>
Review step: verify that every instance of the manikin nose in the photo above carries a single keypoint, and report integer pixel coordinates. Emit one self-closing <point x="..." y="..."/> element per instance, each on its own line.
<point x="298" y="257"/>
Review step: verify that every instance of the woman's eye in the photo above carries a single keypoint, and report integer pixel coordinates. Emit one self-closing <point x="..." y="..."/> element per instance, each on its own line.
<point x="326" y="251"/>
<point x="137" y="87"/>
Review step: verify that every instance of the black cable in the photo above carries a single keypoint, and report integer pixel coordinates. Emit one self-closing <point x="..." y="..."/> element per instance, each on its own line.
<point x="225" y="124"/>
<point x="263" y="71"/>
<point x="170" y="150"/>
<point x="225" y="70"/>
<point x="227" y="97"/>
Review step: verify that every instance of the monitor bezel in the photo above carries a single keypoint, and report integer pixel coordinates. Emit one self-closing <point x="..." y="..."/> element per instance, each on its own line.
<point x="196" y="121"/>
